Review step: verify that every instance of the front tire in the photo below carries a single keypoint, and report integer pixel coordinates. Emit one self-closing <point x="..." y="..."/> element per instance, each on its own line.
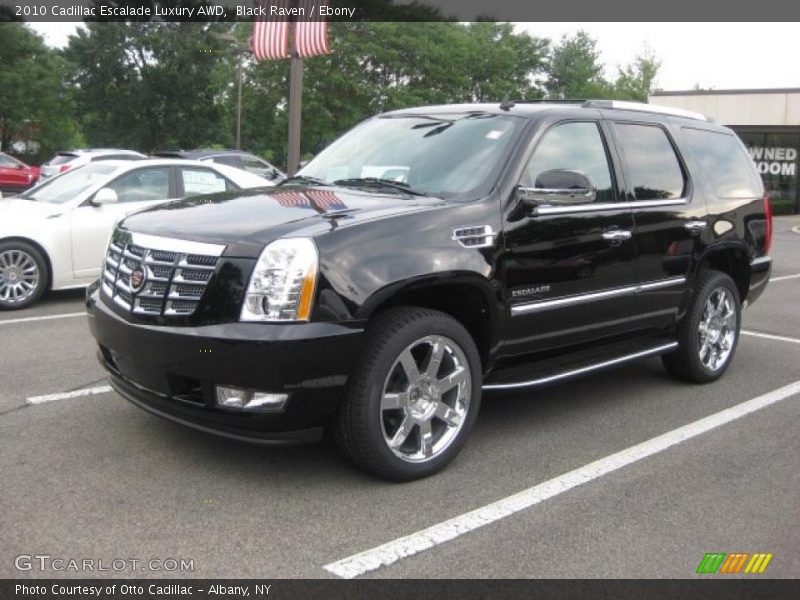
<point x="414" y="396"/>
<point x="709" y="332"/>
<point x="23" y="275"/>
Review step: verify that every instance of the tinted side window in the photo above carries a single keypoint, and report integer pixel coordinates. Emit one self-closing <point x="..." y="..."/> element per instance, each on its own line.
<point x="652" y="165"/>
<point x="142" y="185"/>
<point x="231" y="160"/>
<point x="725" y="163"/>
<point x="575" y="147"/>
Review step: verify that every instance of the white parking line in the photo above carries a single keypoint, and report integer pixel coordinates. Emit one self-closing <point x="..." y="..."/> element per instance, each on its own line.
<point x="769" y="336"/>
<point x="784" y="277"/>
<point x="67" y="395"/>
<point x="388" y="553"/>
<point x="43" y="318"/>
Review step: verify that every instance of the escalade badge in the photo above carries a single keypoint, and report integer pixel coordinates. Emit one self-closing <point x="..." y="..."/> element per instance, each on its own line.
<point x="137" y="279"/>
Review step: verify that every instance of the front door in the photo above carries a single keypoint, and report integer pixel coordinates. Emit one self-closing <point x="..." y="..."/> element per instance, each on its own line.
<point x="568" y="270"/>
<point x="92" y="225"/>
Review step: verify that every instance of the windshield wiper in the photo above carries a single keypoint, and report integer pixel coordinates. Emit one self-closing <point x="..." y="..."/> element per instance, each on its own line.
<point x="379" y="182"/>
<point x="304" y="179"/>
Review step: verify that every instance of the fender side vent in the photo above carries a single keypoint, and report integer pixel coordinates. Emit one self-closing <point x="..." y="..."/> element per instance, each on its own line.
<point x="479" y="236"/>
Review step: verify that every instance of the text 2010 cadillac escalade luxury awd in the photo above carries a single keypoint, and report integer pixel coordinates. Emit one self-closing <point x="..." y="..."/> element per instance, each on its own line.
<point x="430" y="255"/>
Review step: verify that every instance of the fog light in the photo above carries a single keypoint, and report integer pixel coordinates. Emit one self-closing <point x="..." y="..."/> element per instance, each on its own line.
<point x="238" y="399"/>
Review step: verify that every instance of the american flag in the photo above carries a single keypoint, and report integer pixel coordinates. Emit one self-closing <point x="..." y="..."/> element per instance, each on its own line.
<point x="311" y="37"/>
<point x="325" y="200"/>
<point x="291" y="200"/>
<point x="271" y="34"/>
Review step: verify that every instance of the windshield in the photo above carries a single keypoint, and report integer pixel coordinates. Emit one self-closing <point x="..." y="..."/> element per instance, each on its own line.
<point x="443" y="155"/>
<point x="69" y="185"/>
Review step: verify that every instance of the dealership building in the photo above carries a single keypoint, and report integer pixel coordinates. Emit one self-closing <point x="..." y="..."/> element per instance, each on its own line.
<point x="768" y="121"/>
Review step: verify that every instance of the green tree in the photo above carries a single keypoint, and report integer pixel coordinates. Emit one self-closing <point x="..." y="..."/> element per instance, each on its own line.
<point x="378" y="66"/>
<point x="35" y="100"/>
<point x="574" y="69"/>
<point x="636" y="81"/>
<point x="151" y="85"/>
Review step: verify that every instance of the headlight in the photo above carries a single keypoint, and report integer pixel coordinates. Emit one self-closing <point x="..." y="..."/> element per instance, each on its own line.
<point x="282" y="284"/>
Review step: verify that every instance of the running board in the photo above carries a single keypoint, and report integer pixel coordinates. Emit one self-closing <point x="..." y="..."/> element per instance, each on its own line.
<point x="660" y="349"/>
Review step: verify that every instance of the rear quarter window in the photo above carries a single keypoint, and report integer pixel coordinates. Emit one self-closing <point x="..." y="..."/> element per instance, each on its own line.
<point x="724" y="162"/>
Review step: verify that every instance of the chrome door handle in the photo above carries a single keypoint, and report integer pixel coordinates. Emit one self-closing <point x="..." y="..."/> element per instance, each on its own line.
<point x="695" y="227"/>
<point x="616" y="235"/>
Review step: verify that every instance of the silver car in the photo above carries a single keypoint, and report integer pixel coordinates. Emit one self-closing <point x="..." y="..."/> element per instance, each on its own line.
<point x="69" y="159"/>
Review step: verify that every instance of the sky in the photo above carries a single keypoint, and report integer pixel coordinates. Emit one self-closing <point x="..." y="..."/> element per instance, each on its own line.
<point x="711" y="55"/>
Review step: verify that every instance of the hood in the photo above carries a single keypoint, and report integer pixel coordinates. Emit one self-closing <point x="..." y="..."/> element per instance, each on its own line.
<point x="257" y="217"/>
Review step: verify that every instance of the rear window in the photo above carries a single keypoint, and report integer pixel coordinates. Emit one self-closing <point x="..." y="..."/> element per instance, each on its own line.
<point x="724" y="162"/>
<point x="653" y="166"/>
<point x="60" y="159"/>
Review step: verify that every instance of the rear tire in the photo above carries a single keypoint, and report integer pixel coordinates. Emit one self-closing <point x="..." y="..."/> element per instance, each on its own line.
<point x="414" y="395"/>
<point x="23" y="275"/>
<point x="709" y="332"/>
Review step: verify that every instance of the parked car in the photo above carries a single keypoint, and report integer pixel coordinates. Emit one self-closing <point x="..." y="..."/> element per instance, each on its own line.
<point x="15" y="175"/>
<point x="431" y="254"/>
<point x="54" y="235"/>
<point x="233" y="158"/>
<point x="64" y="161"/>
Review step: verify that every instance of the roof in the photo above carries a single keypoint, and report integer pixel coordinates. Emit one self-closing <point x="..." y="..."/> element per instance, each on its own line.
<point x="198" y="153"/>
<point x="530" y="108"/>
<point x="725" y="92"/>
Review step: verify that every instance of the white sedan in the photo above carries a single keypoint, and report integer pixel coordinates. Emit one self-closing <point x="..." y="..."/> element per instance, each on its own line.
<point x="54" y="236"/>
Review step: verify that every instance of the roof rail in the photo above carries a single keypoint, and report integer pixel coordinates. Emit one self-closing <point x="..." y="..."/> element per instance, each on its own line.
<point x="642" y="107"/>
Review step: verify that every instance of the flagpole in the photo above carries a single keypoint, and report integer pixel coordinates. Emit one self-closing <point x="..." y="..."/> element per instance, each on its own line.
<point x="295" y="106"/>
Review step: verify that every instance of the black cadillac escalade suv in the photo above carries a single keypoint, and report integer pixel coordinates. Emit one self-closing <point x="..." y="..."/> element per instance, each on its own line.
<point x="430" y="255"/>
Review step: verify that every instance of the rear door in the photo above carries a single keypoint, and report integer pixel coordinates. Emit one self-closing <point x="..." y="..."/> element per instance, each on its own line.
<point x="669" y="214"/>
<point x="92" y="225"/>
<point x="568" y="270"/>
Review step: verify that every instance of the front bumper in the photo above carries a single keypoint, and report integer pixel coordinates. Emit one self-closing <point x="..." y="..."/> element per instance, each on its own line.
<point x="173" y="371"/>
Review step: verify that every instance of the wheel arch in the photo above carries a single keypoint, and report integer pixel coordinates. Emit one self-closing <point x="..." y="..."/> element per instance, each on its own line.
<point x="731" y="259"/>
<point x="467" y="297"/>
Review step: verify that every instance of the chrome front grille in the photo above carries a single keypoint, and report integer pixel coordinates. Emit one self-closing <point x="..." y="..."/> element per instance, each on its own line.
<point x="175" y="274"/>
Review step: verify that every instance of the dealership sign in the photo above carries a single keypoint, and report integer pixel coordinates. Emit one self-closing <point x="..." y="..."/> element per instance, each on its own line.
<point x="774" y="161"/>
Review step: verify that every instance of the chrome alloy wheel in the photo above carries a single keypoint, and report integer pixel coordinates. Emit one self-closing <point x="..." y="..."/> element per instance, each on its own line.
<point x="425" y="399"/>
<point x="19" y="276"/>
<point x="717" y="329"/>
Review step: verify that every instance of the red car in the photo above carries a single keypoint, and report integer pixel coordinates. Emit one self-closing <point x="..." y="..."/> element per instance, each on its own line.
<point x="15" y="175"/>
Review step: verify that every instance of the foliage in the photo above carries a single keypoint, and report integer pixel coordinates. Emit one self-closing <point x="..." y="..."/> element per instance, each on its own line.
<point x="161" y="85"/>
<point x="35" y="101"/>
<point x="149" y="86"/>
<point x="636" y="81"/>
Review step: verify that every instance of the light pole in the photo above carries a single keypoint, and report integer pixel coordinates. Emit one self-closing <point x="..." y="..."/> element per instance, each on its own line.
<point x="241" y="51"/>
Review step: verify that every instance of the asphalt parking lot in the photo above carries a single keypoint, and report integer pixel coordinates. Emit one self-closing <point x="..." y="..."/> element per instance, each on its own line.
<point x="89" y="476"/>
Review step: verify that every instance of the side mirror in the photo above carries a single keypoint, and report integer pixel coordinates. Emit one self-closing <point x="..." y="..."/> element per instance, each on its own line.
<point x="559" y="187"/>
<point x="105" y="196"/>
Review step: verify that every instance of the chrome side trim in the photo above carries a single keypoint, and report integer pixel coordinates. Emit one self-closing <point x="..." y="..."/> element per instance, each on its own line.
<point x="156" y="242"/>
<point x="530" y="307"/>
<point x="583" y="370"/>
<point x="761" y="260"/>
<point x="544" y="211"/>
